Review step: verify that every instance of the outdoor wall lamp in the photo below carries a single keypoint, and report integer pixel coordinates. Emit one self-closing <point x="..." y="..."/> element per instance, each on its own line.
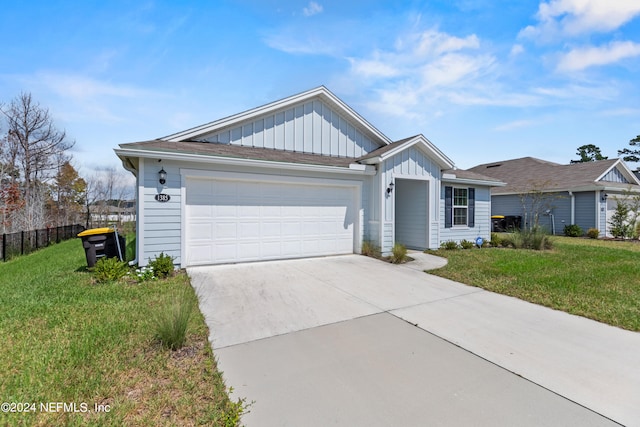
<point x="390" y="188"/>
<point x="163" y="176"/>
<point x="604" y="197"/>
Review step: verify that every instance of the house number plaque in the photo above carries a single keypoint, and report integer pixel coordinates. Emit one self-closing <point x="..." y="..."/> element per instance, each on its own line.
<point x="162" y="198"/>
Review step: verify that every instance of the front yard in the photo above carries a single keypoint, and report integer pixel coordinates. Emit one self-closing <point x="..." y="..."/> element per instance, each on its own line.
<point x="592" y="278"/>
<point x="76" y="353"/>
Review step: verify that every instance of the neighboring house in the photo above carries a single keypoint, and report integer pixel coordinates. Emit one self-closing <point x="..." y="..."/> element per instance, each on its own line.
<point x="585" y="194"/>
<point x="302" y="176"/>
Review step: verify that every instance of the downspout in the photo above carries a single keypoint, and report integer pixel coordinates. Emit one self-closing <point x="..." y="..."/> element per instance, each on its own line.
<point x="573" y="207"/>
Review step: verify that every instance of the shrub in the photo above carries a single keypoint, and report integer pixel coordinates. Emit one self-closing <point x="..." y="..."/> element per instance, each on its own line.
<point x="398" y="253"/>
<point x="130" y="248"/>
<point x="496" y="240"/>
<point x="370" y="249"/>
<point x="573" y="230"/>
<point x="171" y="323"/>
<point x="535" y="239"/>
<point x="619" y="226"/>
<point x="593" y="233"/>
<point x="162" y="265"/>
<point x="449" y="245"/>
<point x="466" y="244"/>
<point x="109" y="270"/>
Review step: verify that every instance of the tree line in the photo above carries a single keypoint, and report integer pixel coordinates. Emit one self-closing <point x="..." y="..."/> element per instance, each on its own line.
<point x="592" y="153"/>
<point x="39" y="185"/>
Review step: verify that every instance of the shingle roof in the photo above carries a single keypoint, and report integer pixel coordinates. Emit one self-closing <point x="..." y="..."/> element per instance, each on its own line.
<point x="467" y="174"/>
<point x="526" y="173"/>
<point x="238" y="152"/>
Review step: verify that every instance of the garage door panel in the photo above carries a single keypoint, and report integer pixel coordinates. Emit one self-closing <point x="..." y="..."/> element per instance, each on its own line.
<point x="254" y="220"/>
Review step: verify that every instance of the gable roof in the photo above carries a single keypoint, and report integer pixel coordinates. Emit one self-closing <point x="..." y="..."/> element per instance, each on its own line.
<point x="320" y="92"/>
<point x="394" y="148"/>
<point x="526" y="173"/>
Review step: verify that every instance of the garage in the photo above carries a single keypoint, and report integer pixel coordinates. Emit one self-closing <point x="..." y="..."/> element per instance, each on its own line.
<point x="251" y="217"/>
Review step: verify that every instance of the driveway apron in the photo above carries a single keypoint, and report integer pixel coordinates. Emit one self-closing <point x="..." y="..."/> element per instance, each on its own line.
<point x="354" y="341"/>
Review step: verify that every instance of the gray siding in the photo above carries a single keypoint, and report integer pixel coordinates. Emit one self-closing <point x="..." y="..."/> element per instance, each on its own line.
<point x="585" y="203"/>
<point x="309" y="127"/>
<point x="558" y="203"/>
<point x="482" y="227"/>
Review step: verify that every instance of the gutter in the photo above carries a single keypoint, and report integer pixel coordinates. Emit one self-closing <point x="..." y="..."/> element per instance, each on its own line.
<point x="353" y="168"/>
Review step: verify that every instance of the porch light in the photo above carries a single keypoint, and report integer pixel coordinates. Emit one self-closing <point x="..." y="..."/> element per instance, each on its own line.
<point x="390" y="188"/>
<point x="163" y="176"/>
<point x="604" y="197"/>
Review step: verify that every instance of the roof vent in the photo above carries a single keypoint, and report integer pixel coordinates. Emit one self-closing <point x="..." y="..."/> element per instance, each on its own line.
<point x="494" y="166"/>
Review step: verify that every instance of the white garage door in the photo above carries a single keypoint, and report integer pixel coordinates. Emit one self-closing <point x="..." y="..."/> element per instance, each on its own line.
<point x="235" y="221"/>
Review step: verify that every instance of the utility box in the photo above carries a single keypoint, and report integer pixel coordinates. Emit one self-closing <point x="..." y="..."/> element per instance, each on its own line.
<point x="100" y="243"/>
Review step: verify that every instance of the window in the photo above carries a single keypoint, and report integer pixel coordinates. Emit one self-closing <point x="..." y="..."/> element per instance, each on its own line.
<point x="460" y="206"/>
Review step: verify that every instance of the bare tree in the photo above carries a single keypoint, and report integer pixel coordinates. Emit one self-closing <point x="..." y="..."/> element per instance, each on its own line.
<point x="536" y="201"/>
<point x="29" y="152"/>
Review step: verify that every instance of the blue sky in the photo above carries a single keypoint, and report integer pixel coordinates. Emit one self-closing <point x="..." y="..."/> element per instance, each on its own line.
<point x="483" y="80"/>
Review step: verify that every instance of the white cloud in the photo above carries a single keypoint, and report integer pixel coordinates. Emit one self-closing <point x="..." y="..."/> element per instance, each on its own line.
<point x="576" y="17"/>
<point x="422" y="69"/>
<point x="516" y="50"/>
<point x="517" y="124"/>
<point x="312" y="8"/>
<point x="580" y="59"/>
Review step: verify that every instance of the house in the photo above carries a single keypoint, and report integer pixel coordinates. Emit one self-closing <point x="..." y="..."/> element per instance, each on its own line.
<point x="299" y="177"/>
<point x="585" y="194"/>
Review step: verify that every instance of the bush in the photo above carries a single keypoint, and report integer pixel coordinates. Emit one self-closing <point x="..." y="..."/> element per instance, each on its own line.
<point x="171" y="323"/>
<point x="593" y="233"/>
<point x="573" y="230"/>
<point x="466" y="244"/>
<point x="162" y="266"/>
<point x="449" y="245"/>
<point x="496" y="240"/>
<point x="619" y="226"/>
<point x="370" y="249"/>
<point x="109" y="270"/>
<point x="535" y="239"/>
<point x="398" y="253"/>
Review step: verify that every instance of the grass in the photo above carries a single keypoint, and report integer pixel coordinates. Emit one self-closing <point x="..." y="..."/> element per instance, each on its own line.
<point x="69" y="340"/>
<point x="592" y="278"/>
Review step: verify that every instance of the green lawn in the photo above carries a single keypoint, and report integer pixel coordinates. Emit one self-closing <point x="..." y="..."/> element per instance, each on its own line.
<point x="68" y="340"/>
<point x="591" y="278"/>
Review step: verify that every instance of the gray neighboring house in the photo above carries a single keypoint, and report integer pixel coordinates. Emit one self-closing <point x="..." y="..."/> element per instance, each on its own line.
<point x="302" y="176"/>
<point x="585" y="194"/>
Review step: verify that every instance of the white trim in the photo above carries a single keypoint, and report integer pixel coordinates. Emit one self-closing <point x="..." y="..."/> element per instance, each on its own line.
<point x="427" y="147"/>
<point x="469" y="181"/>
<point x="625" y="171"/>
<point x="321" y="92"/>
<point x="233" y="161"/>
<point x="140" y="215"/>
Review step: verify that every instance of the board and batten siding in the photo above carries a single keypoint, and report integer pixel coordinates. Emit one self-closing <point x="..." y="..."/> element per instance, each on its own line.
<point x="614" y="175"/>
<point x="410" y="163"/>
<point x="482" y="218"/>
<point x="162" y="223"/>
<point x="309" y="127"/>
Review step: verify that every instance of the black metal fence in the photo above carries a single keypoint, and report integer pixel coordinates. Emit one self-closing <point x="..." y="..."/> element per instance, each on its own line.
<point x="25" y="242"/>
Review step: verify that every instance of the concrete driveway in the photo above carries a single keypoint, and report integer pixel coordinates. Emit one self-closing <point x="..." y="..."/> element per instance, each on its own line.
<point x="350" y="340"/>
